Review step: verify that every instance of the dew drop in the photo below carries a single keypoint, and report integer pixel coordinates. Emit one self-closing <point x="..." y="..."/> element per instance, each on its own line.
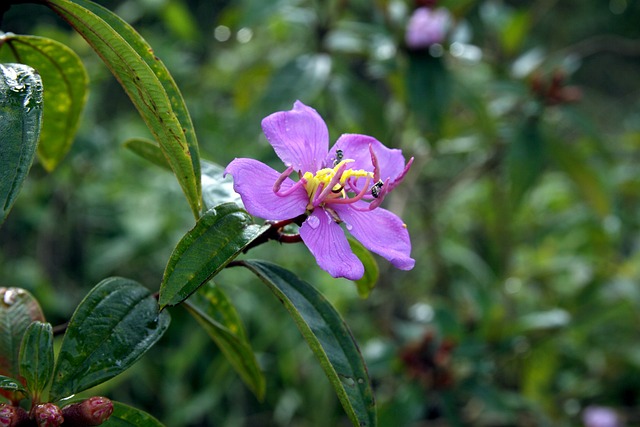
<point x="360" y="380"/>
<point x="349" y="381"/>
<point x="9" y="297"/>
<point x="349" y="226"/>
<point x="313" y="221"/>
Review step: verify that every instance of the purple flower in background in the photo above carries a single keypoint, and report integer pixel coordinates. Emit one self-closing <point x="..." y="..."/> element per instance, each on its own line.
<point x="426" y="27"/>
<point x="600" y="416"/>
<point x="344" y="185"/>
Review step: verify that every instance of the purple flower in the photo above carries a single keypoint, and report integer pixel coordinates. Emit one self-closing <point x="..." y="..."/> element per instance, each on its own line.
<point x="344" y="185"/>
<point x="426" y="27"/>
<point x="600" y="416"/>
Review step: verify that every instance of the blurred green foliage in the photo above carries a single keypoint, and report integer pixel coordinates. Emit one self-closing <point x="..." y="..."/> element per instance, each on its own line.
<point x="522" y="207"/>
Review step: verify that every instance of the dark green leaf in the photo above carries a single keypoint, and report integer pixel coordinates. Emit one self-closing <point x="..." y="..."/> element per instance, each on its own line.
<point x="126" y="416"/>
<point x="327" y="336"/>
<point x="526" y="159"/>
<point x="429" y="91"/>
<point x="148" y="150"/>
<point x="115" y="324"/>
<point x="371" y="273"/>
<point x="18" y="309"/>
<point x="36" y="358"/>
<point x="65" y="91"/>
<point x="217" y="189"/>
<point x="147" y="82"/>
<point x="11" y="385"/>
<point x="20" y="118"/>
<point x="215" y="312"/>
<point x="218" y="237"/>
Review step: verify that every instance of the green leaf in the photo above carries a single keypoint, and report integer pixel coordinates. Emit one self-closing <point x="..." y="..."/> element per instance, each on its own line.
<point x="525" y="159"/>
<point x="147" y="82"/>
<point x="582" y="174"/>
<point x="216" y="188"/>
<point x="115" y="324"/>
<point x="328" y="337"/>
<point x="65" y="91"/>
<point x="18" y="309"/>
<point x="20" y="119"/>
<point x="36" y="358"/>
<point x="127" y="416"/>
<point x="218" y="237"/>
<point x="11" y="385"/>
<point x="371" y="272"/>
<point x="429" y="89"/>
<point x="217" y="315"/>
<point x="148" y="150"/>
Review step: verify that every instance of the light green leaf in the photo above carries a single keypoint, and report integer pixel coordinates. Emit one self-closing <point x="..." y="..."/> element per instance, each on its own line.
<point x="371" y="272"/>
<point x="219" y="236"/>
<point x="20" y="119"/>
<point x="147" y="82"/>
<point x="327" y="336"/>
<point x="115" y="324"/>
<point x="148" y="150"/>
<point x="217" y="315"/>
<point x="65" y="91"/>
<point x="36" y="358"/>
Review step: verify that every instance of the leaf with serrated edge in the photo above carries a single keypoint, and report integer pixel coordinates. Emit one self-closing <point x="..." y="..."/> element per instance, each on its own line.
<point x="328" y="337"/>
<point x="65" y="91"/>
<point x="219" y="318"/>
<point x="114" y="325"/>
<point x="218" y="237"/>
<point x="148" y="84"/>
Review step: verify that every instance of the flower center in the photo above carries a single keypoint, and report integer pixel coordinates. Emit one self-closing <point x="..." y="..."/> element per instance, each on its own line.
<point x="335" y="185"/>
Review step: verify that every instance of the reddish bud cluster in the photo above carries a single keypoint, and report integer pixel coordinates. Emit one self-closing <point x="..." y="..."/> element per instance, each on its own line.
<point x="429" y="361"/>
<point x="91" y="412"/>
<point x="553" y="90"/>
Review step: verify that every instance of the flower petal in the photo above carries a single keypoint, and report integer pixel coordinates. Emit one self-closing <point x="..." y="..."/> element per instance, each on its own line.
<point x="329" y="245"/>
<point x="380" y="231"/>
<point x="356" y="147"/>
<point x="254" y="180"/>
<point x="299" y="137"/>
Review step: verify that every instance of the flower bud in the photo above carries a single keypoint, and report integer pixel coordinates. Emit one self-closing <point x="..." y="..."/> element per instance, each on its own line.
<point x="12" y="416"/>
<point x="427" y="27"/>
<point x="91" y="412"/>
<point x="47" y="415"/>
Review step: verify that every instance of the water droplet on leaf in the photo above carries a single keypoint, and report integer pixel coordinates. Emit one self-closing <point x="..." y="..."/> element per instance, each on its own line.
<point x="349" y="226"/>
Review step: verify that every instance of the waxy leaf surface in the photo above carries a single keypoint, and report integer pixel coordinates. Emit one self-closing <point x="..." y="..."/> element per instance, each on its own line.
<point x="327" y="336"/>
<point x="36" y="357"/>
<point x="115" y="324"/>
<point x="219" y="236"/>
<point x="65" y="91"/>
<point x="211" y="307"/>
<point x="18" y="309"/>
<point x="148" y="84"/>
<point x="20" y="120"/>
<point x="126" y="416"/>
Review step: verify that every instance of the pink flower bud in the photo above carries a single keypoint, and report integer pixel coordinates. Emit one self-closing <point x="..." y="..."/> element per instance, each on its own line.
<point x="12" y="416"/>
<point x="47" y="415"/>
<point x="91" y="412"/>
<point x="427" y="27"/>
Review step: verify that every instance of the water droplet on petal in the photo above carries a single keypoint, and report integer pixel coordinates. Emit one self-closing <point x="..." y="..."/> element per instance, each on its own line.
<point x="313" y="221"/>
<point x="349" y="226"/>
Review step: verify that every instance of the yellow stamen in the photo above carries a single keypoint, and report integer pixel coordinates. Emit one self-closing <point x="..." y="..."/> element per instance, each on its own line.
<point x="326" y="175"/>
